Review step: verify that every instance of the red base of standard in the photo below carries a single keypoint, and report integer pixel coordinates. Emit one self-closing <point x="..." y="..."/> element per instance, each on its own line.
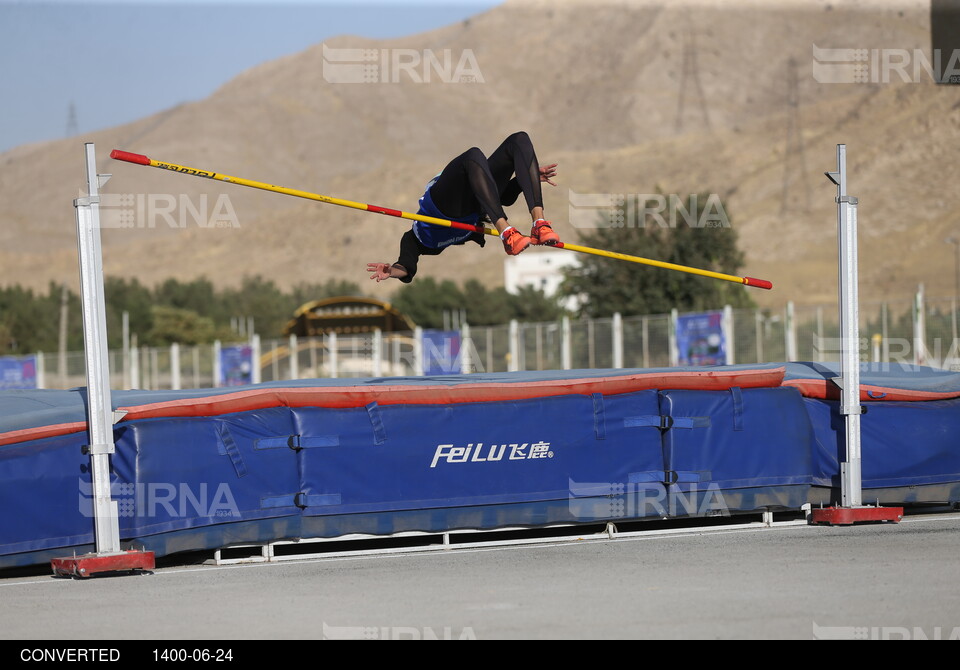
<point x="90" y="564"/>
<point x="847" y="516"/>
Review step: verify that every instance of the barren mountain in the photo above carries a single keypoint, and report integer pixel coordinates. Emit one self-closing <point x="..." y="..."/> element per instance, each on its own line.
<point x="629" y="97"/>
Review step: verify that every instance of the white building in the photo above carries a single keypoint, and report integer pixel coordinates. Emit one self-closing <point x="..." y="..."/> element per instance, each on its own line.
<point x="543" y="269"/>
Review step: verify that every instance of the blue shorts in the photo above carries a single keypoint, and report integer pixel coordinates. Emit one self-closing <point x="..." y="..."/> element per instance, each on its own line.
<point x="438" y="237"/>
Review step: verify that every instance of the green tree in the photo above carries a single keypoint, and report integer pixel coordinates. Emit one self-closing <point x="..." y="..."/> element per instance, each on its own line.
<point x="485" y="307"/>
<point x="531" y="305"/>
<point x="130" y="296"/>
<point x="32" y="322"/>
<point x="264" y="301"/>
<point x="607" y="285"/>
<point x="305" y="292"/>
<point x="198" y="295"/>
<point x="6" y="339"/>
<point x="425" y="301"/>
<point x="188" y="312"/>
<point x="183" y="326"/>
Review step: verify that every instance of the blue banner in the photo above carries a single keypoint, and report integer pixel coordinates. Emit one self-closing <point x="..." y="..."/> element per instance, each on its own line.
<point x="441" y="352"/>
<point x="18" y="372"/>
<point x="701" y="340"/>
<point x="236" y="365"/>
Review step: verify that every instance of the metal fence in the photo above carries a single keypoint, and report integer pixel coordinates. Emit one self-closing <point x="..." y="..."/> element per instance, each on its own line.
<point x="923" y="332"/>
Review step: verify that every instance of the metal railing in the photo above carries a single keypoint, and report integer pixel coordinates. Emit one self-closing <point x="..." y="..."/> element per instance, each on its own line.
<point x="923" y="333"/>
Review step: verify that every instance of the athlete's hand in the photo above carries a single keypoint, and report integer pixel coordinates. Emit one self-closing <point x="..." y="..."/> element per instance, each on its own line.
<point x="548" y="172"/>
<point x="379" y="271"/>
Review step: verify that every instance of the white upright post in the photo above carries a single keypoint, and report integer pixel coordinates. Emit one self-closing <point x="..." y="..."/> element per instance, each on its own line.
<point x="514" y="331"/>
<point x="790" y="332"/>
<point x="217" y="364"/>
<point x="100" y="414"/>
<point x="255" y="376"/>
<point x="377" y="346"/>
<point x="126" y="349"/>
<point x="134" y="364"/>
<point x="418" y="351"/>
<point x="175" y="366"/>
<point x="566" y="351"/>
<point x="41" y="371"/>
<point x="294" y="358"/>
<point x="332" y="354"/>
<point x="673" y="349"/>
<point x="728" y="333"/>
<point x="617" y="341"/>
<point x="849" y="380"/>
<point x="919" y="328"/>
<point x="466" y="349"/>
<point x="99" y="402"/>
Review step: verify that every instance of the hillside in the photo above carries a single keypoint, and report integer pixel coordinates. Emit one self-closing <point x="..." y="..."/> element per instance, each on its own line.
<point x="597" y="85"/>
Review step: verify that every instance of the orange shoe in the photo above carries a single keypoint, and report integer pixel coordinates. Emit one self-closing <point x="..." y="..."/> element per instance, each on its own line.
<point x="542" y="233"/>
<point x="514" y="241"/>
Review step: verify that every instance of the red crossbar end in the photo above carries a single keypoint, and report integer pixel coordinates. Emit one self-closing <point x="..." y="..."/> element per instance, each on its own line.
<point x="759" y="283"/>
<point x="88" y="565"/>
<point x="129" y="157"/>
<point x="847" y="516"/>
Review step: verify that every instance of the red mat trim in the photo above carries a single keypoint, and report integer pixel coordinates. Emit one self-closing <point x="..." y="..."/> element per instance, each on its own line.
<point x="418" y="394"/>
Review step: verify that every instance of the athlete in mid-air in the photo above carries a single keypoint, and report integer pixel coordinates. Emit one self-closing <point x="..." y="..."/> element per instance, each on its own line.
<point x="474" y="189"/>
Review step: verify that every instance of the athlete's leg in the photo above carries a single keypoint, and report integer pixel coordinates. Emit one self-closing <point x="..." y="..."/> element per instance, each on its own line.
<point x="516" y="156"/>
<point x="466" y="187"/>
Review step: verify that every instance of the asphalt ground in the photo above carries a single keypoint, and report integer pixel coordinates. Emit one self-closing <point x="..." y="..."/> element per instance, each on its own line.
<point x="747" y="581"/>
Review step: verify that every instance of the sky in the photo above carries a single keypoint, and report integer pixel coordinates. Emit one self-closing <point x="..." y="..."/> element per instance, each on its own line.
<point x="115" y="62"/>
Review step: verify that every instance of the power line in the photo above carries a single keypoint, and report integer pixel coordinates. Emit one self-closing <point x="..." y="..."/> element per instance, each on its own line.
<point x="72" y="128"/>
<point x="794" y="161"/>
<point x="689" y="72"/>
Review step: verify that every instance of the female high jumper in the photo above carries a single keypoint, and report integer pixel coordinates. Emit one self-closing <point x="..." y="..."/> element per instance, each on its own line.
<point x="474" y="189"/>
